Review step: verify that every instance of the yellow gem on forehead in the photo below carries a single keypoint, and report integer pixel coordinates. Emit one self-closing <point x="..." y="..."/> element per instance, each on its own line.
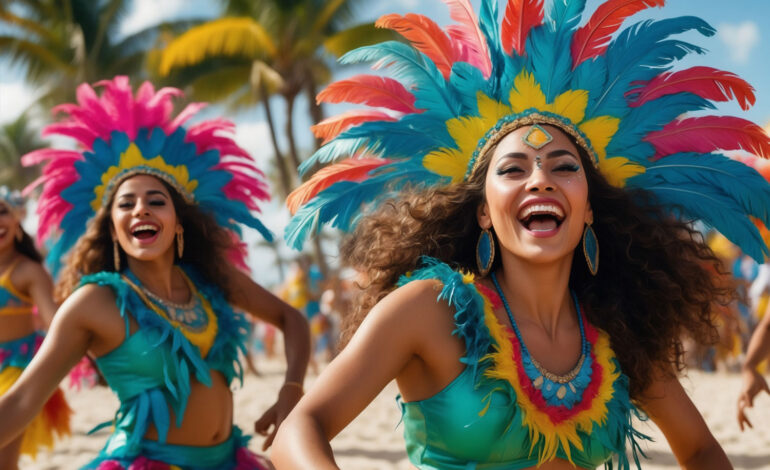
<point x="537" y="137"/>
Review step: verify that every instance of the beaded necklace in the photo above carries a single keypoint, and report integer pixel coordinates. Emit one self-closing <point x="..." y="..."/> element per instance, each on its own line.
<point x="557" y="390"/>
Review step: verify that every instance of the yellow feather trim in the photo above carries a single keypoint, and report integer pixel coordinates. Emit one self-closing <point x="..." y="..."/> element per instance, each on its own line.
<point x="539" y="424"/>
<point x="526" y="93"/>
<point x="570" y="104"/>
<point x="618" y="169"/>
<point x="447" y="162"/>
<point x="599" y="131"/>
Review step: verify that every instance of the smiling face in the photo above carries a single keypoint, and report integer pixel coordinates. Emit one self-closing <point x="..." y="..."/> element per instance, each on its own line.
<point x="536" y="200"/>
<point x="144" y="219"/>
<point x="9" y="226"/>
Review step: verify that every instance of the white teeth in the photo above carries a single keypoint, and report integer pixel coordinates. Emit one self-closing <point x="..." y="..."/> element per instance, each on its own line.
<point x="548" y="209"/>
<point x="3" y="231"/>
<point x="145" y="227"/>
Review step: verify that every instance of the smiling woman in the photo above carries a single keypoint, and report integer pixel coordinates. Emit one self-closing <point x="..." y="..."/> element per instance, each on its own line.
<point x="152" y="284"/>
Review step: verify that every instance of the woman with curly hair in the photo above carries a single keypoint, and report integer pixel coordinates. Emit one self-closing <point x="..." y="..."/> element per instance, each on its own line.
<point x="151" y="285"/>
<point x="512" y="155"/>
<point x="24" y="286"/>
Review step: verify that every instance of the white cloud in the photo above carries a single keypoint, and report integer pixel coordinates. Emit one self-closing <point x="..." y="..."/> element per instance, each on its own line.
<point x="146" y="13"/>
<point x="254" y="137"/>
<point x="15" y="97"/>
<point x="740" y="39"/>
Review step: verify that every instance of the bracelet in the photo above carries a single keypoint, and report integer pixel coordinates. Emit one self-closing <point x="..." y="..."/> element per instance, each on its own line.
<point x="291" y="383"/>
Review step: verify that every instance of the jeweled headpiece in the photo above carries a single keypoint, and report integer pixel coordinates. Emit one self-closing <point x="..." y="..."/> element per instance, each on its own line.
<point x="12" y="198"/>
<point x="120" y="135"/>
<point x="458" y="90"/>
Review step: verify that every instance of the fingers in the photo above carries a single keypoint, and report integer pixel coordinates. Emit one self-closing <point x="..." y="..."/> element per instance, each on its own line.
<point x="743" y="403"/>
<point x="263" y="424"/>
<point x="269" y="441"/>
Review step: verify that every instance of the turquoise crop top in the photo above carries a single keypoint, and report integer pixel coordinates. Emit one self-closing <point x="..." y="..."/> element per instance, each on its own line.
<point x="150" y="371"/>
<point x="489" y="418"/>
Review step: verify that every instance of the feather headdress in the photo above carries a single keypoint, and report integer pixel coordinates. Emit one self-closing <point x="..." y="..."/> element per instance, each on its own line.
<point x="453" y="92"/>
<point x="13" y="199"/>
<point x="121" y="134"/>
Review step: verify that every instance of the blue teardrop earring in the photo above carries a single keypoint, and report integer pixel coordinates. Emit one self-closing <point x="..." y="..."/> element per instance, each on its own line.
<point x="485" y="252"/>
<point x="591" y="249"/>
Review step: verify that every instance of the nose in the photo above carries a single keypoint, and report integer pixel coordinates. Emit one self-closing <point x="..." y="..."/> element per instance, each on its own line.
<point x="539" y="180"/>
<point x="141" y="207"/>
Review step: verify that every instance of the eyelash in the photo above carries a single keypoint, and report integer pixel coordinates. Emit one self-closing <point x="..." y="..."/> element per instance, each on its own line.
<point x="128" y="205"/>
<point x="514" y="169"/>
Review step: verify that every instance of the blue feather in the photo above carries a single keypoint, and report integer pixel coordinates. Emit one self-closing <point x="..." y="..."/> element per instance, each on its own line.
<point x="651" y="116"/>
<point x="465" y="80"/>
<point x="490" y="28"/>
<point x="590" y="75"/>
<point x="406" y="62"/>
<point x="640" y="53"/>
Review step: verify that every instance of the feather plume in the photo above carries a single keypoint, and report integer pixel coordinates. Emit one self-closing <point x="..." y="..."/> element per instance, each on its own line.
<point x="371" y="90"/>
<point x="354" y="169"/>
<point x="591" y="39"/>
<point x="710" y="133"/>
<point x="520" y="17"/>
<point x="467" y="32"/>
<point x="331" y="127"/>
<point x="426" y="36"/>
<point x="709" y="83"/>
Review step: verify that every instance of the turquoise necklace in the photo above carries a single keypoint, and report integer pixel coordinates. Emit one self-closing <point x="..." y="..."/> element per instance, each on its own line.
<point x="557" y="390"/>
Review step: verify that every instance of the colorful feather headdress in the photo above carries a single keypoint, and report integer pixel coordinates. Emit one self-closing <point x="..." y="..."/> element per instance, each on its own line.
<point x="13" y="199"/>
<point x="459" y="89"/>
<point x="120" y="135"/>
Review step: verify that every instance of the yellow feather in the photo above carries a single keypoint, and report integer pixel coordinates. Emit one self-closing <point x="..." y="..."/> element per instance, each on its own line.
<point x="526" y="93"/>
<point x="491" y="110"/>
<point x="447" y="162"/>
<point x="571" y="104"/>
<point x="241" y="37"/>
<point x="618" y="169"/>
<point x="599" y="131"/>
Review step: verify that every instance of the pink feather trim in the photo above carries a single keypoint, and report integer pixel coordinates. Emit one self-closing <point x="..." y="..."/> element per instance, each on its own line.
<point x="474" y="49"/>
<point x="708" y="134"/>
<point x="371" y="90"/>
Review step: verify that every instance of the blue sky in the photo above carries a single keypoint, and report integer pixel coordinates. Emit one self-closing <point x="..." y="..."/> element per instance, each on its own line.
<point x="741" y="46"/>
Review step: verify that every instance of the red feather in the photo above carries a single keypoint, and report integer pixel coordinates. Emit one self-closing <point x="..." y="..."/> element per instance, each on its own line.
<point x="331" y="127"/>
<point x="426" y="36"/>
<point x="591" y="39"/>
<point x="708" y="134"/>
<point x="706" y="82"/>
<point x="520" y="17"/>
<point x="352" y="169"/>
<point x="371" y="90"/>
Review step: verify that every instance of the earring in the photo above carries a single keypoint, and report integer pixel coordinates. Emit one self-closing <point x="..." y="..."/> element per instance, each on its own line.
<point x="485" y="252"/>
<point x="19" y="234"/>
<point x="115" y="255"/>
<point x="591" y="249"/>
<point x="180" y="244"/>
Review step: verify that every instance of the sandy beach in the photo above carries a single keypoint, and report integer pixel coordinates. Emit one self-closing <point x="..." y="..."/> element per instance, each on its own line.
<point x="374" y="440"/>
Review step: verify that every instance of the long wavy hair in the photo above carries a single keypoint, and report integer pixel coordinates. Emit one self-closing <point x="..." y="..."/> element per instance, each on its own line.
<point x="205" y="247"/>
<point x="657" y="279"/>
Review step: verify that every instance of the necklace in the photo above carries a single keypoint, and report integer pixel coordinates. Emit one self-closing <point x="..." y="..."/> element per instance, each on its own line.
<point x="192" y="315"/>
<point x="566" y="389"/>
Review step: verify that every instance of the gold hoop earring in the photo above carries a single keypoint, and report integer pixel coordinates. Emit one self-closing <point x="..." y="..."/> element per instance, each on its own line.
<point x="115" y="255"/>
<point x="180" y="244"/>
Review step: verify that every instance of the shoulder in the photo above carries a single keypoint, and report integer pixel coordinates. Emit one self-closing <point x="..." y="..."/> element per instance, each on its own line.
<point x="28" y="272"/>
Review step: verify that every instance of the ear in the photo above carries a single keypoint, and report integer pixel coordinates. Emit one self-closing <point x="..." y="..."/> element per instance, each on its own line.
<point x="482" y="215"/>
<point x="179" y="228"/>
<point x="589" y="219"/>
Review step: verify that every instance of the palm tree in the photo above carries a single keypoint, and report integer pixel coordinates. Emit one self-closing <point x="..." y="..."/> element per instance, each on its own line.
<point x="16" y="139"/>
<point x="267" y="47"/>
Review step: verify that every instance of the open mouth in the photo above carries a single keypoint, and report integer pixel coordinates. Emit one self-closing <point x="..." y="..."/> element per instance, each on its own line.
<point x="541" y="217"/>
<point x="3" y="232"/>
<point x="144" y="231"/>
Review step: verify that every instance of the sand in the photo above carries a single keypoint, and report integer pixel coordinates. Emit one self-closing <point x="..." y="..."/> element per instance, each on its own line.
<point x="374" y="440"/>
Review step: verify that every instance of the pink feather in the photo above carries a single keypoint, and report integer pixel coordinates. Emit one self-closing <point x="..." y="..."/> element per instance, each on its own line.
<point x="425" y="35"/>
<point x="189" y="111"/>
<point x="370" y="90"/>
<point x="466" y="32"/>
<point x="591" y="40"/>
<point x="333" y="126"/>
<point x="706" y="82"/>
<point x="352" y="169"/>
<point x="520" y="17"/>
<point x="708" y="134"/>
<point x="84" y="135"/>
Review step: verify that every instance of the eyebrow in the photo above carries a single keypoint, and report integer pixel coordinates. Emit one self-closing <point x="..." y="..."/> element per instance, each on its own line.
<point x="151" y="192"/>
<point x="551" y="154"/>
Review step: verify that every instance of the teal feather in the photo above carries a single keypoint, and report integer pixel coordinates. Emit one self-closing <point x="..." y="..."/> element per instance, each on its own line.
<point x="430" y="88"/>
<point x="490" y="28"/>
<point x="466" y="77"/>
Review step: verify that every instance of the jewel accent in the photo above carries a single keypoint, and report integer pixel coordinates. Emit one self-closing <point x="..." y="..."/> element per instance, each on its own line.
<point x="537" y="137"/>
<point x="538" y="382"/>
<point x="562" y="392"/>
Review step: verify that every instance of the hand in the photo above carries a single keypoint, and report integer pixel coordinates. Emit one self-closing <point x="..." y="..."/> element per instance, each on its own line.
<point x="753" y="383"/>
<point x="288" y="397"/>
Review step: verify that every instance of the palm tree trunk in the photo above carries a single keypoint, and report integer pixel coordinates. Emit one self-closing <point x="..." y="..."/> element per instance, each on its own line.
<point x="293" y="154"/>
<point x="280" y="162"/>
<point x="316" y="112"/>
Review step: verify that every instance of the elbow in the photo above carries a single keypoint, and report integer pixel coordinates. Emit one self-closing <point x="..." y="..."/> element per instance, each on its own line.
<point x="709" y="455"/>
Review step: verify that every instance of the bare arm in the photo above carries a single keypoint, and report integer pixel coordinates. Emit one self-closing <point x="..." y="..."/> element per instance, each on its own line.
<point x="753" y="382"/>
<point x="67" y="341"/>
<point x="392" y="334"/>
<point x="41" y="290"/>
<point x="694" y="447"/>
<point x="260" y="303"/>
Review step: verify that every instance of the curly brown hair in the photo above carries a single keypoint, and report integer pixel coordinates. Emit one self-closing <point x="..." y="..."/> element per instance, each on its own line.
<point x="657" y="278"/>
<point x="205" y="247"/>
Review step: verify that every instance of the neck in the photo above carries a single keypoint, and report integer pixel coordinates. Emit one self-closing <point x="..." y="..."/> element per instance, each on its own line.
<point x="537" y="292"/>
<point x="157" y="274"/>
<point x="7" y="254"/>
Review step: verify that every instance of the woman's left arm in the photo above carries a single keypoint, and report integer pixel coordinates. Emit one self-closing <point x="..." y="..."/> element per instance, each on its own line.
<point x="40" y="287"/>
<point x="260" y="303"/>
<point x="668" y="405"/>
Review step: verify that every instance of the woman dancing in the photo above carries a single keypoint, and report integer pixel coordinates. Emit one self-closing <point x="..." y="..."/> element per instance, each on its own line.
<point x="24" y="285"/>
<point x="511" y="155"/>
<point x="148" y="213"/>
